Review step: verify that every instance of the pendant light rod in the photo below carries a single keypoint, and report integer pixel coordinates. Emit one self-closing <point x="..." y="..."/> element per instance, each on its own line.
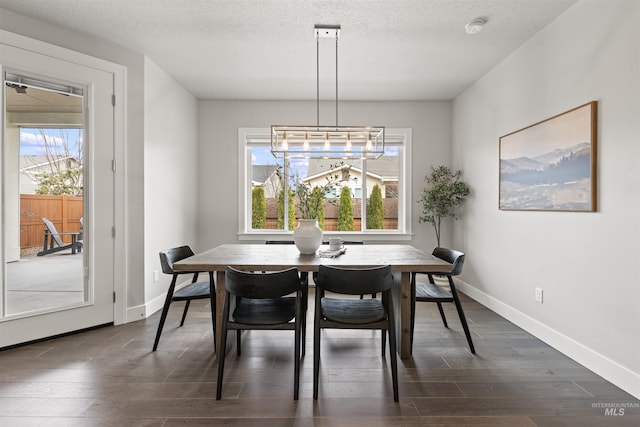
<point x="336" y="79"/>
<point x="317" y="80"/>
<point x="342" y="142"/>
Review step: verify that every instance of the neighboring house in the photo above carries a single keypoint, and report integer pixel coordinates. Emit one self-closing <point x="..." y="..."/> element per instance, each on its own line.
<point x="31" y="166"/>
<point x="383" y="172"/>
<point x="266" y="176"/>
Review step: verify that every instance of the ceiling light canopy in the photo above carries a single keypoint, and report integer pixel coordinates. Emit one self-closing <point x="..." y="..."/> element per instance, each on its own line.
<point x="475" y="26"/>
<point x="330" y="142"/>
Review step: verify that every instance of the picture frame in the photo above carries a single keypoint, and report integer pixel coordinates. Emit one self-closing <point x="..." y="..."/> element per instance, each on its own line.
<point x="551" y="165"/>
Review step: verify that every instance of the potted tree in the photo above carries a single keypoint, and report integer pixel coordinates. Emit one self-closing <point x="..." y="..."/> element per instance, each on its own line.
<point x="443" y="192"/>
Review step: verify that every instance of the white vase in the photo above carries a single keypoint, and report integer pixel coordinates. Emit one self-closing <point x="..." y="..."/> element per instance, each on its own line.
<point x="308" y="236"/>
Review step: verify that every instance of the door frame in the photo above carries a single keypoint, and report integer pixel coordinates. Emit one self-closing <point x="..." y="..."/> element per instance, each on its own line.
<point x="118" y="165"/>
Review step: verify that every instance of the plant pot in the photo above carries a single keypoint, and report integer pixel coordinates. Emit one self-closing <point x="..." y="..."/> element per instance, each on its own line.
<point x="307" y="236"/>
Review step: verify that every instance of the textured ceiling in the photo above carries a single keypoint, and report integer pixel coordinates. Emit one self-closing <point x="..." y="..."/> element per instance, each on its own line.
<point x="266" y="49"/>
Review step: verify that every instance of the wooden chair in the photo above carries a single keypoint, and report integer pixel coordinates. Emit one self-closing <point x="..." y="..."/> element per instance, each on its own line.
<point x="354" y="313"/>
<point x="53" y="241"/>
<point x="194" y="290"/>
<point x="262" y="303"/>
<point x="304" y="276"/>
<point x="430" y="292"/>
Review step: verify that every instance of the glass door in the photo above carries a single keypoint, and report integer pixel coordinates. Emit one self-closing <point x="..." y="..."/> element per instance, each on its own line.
<point x="43" y="196"/>
<point x="57" y="197"/>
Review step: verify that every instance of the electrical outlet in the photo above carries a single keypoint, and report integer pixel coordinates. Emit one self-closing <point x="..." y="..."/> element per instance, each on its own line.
<point x="539" y="295"/>
<point x="156" y="275"/>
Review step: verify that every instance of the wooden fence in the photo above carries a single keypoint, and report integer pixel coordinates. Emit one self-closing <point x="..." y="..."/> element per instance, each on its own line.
<point x="63" y="211"/>
<point x="390" y="221"/>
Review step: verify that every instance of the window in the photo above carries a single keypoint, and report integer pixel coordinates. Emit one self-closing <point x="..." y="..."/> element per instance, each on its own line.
<point x="378" y="190"/>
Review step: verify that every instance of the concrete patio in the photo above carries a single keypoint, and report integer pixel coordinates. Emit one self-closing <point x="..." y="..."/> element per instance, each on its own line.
<point x="41" y="283"/>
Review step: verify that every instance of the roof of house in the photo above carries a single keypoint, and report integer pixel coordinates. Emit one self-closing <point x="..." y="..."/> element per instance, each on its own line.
<point x="261" y="173"/>
<point x="29" y="161"/>
<point x="384" y="166"/>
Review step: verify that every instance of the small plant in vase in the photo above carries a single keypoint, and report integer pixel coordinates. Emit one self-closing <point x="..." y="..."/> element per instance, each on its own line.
<point x="310" y="202"/>
<point x="443" y="192"/>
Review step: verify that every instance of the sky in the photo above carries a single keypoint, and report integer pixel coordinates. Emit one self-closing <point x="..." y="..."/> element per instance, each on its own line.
<point x="32" y="143"/>
<point x="263" y="156"/>
<point x="565" y="130"/>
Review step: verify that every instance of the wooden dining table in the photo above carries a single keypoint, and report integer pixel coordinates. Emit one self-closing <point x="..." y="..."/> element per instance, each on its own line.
<point x="403" y="259"/>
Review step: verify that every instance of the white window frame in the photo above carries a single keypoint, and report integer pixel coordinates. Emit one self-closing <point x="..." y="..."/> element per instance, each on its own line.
<point x="258" y="136"/>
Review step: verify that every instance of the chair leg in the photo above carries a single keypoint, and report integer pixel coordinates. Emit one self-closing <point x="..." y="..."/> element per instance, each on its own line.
<point x="444" y="319"/>
<point x="463" y="319"/>
<point x="413" y="309"/>
<point x="296" y="355"/>
<point x="165" y="310"/>
<point x="303" y="335"/>
<point x="303" y="326"/>
<point x="383" y="338"/>
<point x="238" y="332"/>
<point x="184" y="313"/>
<point x="212" y="292"/>
<point x="316" y="350"/>
<point x="393" y="352"/>
<point x="223" y="349"/>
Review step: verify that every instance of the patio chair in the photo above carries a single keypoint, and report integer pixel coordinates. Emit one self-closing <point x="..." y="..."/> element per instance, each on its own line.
<point x="53" y="242"/>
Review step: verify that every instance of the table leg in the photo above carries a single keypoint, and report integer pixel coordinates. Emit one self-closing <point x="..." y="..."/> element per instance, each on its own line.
<point x="402" y="312"/>
<point x="220" y="295"/>
<point x="405" y="316"/>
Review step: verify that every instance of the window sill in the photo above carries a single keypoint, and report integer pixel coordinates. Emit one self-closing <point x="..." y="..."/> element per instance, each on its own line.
<point x="346" y="235"/>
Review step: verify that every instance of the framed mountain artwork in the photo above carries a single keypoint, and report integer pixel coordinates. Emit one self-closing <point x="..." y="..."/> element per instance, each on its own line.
<point x="551" y="165"/>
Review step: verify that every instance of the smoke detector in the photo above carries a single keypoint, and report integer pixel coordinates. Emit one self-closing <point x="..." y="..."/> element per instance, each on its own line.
<point x="475" y="26"/>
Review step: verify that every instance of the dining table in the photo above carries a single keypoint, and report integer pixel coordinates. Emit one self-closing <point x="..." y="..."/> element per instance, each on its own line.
<point x="404" y="259"/>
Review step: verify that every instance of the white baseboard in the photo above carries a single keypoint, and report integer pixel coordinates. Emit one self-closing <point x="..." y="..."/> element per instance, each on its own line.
<point x="610" y="370"/>
<point x="138" y="312"/>
<point x="145" y="310"/>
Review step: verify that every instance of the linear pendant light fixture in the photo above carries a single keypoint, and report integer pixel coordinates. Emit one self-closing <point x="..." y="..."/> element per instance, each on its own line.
<point x="329" y="142"/>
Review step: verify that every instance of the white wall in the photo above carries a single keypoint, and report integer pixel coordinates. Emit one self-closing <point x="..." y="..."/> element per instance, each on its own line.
<point x="587" y="263"/>
<point x="218" y="124"/>
<point x="170" y="176"/>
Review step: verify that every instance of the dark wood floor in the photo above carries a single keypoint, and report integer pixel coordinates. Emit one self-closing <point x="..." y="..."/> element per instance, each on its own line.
<point x="110" y="377"/>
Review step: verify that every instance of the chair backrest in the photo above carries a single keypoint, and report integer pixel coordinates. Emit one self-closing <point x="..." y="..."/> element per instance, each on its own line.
<point x="169" y="256"/>
<point x="262" y="285"/>
<point x="451" y="256"/>
<point x="52" y="230"/>
<point x="353" y="281"/>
